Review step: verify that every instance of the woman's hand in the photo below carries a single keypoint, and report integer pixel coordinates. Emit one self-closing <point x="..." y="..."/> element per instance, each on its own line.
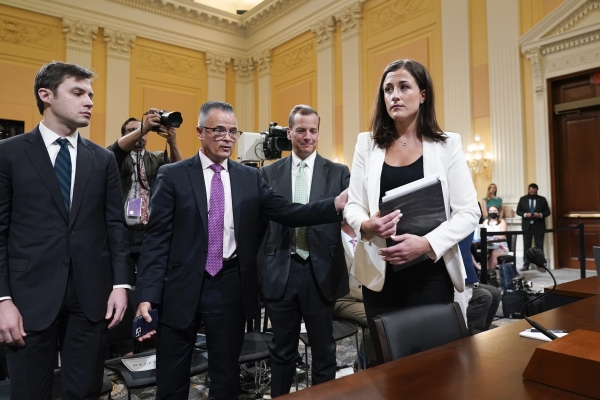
<point x="408" y="248"/>
<point x="384" y="227"/>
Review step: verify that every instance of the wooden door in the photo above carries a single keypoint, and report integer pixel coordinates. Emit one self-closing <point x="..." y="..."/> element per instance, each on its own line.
<point x="576" y="167"/>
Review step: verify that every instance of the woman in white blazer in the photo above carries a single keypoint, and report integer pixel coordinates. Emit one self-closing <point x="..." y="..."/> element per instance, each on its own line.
<point x="407" y="144"/>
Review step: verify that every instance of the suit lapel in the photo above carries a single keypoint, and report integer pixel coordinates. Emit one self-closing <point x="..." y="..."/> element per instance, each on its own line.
<point x="319" y="177"/>
<point x="85" y="162"/>
<point x="196" y="176"/>
<point x="38" y="156"/>
<point x="374" y="177"/>
<point x="284" y="179"/>
<point x="236" y="182"/>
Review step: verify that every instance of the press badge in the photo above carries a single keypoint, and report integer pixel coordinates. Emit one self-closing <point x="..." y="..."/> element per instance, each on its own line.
<point x="134" y="207"/>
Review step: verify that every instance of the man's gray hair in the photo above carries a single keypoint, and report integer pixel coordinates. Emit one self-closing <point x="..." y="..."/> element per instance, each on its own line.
<point x="207" y="107"/>
<point x="302" y="109"/>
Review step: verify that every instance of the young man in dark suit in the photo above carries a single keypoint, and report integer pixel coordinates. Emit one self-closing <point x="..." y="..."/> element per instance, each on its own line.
<point x="198" y="259"/>
<point x="304" y="268"/>
<point x="533" y="210"/>
<point x="63" y="247"/>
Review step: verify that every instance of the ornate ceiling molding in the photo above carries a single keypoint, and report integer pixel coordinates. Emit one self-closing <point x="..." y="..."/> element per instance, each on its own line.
<point x="349" y="18"/>
<point x="573" y="41"/>
<point x="79" y="34"/>
<point x="323" y="32"/>
<point x="244" y="68"/>
<point x="119" y="43"/>
<point x="194" y="13"/>
<point x="217" y="64"/>
<point x="575" y="17"/>
<point x="263" y="62"/>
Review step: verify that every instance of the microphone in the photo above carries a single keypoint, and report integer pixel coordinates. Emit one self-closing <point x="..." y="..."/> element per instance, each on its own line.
<point x="536" y="256"/>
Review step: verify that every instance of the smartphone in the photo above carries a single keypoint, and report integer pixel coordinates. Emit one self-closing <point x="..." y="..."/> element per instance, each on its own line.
<point x="141" y="327"/>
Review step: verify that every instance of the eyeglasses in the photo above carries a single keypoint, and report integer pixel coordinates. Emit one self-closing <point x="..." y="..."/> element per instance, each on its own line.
<point x="220" y="132"/>
<point x="131" y="130"/>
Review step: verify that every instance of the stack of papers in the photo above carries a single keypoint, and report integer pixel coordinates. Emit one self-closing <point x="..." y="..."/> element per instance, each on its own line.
<point x="535" y="334"/>
<point x="140" y="363"/>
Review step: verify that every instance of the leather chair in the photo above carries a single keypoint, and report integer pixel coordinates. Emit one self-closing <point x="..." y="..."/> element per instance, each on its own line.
<point x="408" y="331"/>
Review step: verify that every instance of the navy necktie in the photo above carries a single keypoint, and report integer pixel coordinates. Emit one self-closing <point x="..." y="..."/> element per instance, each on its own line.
<point x="63" y="169"/>
<point x="531" y="206"/>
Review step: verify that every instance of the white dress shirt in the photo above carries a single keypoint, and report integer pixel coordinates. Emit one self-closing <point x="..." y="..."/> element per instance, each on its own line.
<point x="229" y="244"/>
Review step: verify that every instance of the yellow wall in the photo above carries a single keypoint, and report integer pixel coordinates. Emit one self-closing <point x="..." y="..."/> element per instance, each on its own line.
<point x="98" y="123"/>
<point x="531" y="12"/>
<point x="169" y="78"/>
<point x="338" y="84"/>
<point x="480" y="88"/>
<point x="27" y="41"/>
<point x="392" y="31"/>
<point x="294" y="76"/>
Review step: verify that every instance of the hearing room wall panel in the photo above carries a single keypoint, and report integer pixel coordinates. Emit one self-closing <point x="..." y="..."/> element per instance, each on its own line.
<point x="169" y="78"/>
<point x="27" y="41"/>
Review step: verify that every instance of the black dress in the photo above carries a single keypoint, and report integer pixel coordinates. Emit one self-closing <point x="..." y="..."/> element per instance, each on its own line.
<point x="423" y="283"/>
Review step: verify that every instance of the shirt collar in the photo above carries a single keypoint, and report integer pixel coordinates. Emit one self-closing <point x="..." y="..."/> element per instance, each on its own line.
<point x="50" y="137"/>
<point x="207" y="162"/>
<point x="310" y="160"/>
<point x="134" y="154"/>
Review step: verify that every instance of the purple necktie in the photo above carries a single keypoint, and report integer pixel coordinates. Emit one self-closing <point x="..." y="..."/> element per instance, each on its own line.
<point x="216" y="213"/>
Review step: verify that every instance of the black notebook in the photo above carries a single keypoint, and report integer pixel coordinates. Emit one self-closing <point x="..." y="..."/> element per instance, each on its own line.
<point x="422" y="206"/>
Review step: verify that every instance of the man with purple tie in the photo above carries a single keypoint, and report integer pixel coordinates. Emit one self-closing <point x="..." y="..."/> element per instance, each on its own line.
<point x="198" y="260"/>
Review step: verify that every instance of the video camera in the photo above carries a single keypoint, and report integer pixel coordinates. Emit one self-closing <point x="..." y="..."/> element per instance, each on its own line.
<point x="171" y="119"/>
<point x="265" y="145"/>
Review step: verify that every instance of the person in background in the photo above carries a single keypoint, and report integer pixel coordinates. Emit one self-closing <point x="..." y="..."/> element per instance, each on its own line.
<point x="492" y="199"/>
<point x="533" y="209"/>
<point x="407" y="144"/>
<point x="138" y="179"/>
<point x="494" y="223"/>
<point x="304" y="269"/>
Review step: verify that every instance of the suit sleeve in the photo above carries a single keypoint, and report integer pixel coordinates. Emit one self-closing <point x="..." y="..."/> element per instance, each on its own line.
<point x="115" y="224"/>
<point x="520" y="210"/>
<point x="276" y="208"/>
<point x="155" y="250"/>
<point x="546" y="209"/>
<point x="5" y="208"/>
<point x="357" y="209"/>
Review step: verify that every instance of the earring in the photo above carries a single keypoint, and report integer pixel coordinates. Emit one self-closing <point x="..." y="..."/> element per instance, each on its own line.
<point x="422" y="101"/>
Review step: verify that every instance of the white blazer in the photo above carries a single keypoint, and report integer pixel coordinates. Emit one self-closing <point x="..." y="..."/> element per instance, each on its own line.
<point x="445" y="158"/>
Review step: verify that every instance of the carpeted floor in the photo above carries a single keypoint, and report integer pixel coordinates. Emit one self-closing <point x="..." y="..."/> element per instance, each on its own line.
<point x="346" y="349"/>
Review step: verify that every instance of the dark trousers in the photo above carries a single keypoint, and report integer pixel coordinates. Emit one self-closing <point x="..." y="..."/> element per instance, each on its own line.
<point x="220" y="307"/>
<point x="423" y="283"/>
<point x="537" y="234"/>
<point x="302" y="300"/>
<point x="482" y="308"/>
<point x="81" y="343"/>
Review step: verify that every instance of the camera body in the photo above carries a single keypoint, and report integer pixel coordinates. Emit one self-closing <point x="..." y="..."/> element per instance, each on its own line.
<point x="171" y="119"/>
<point x="275" y="141"/>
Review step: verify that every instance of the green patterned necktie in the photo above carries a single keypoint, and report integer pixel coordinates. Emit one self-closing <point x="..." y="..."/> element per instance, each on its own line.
<point x="301" y="196"/>
<point x="63" y="169"/>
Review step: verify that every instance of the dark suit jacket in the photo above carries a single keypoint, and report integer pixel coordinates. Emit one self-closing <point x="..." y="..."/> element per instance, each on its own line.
<point x="541" y="206"/>
<point x="173" y="257"/>
<point x="38" y="239"/>
<point x="324" y="241"/>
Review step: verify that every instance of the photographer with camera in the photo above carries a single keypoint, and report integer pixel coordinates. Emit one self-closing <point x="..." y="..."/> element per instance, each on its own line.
<point x="137" y="179"/>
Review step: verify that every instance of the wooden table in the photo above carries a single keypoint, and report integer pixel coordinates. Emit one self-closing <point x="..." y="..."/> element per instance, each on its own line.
<point x="485" y="366"/>
<point x="570" y="292"/>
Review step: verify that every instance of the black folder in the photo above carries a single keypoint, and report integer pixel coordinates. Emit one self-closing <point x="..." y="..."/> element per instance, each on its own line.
<point x="422" y="210"/>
